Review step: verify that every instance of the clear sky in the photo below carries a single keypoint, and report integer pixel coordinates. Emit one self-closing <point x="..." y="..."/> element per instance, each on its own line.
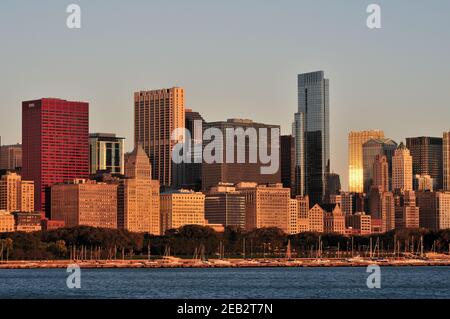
<point x="235" y="58"/>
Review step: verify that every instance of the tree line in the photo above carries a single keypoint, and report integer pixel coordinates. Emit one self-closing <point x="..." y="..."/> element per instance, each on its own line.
<point x="97" y="243"/>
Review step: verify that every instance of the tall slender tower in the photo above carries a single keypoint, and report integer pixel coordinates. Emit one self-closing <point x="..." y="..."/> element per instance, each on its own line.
<point x="402" y="169"/>
<point x="355" y="157"/>
<point x="157" y="114"/>
<point x="381" y="173"/>
<point x="446" y="160"/>
<point x="312" y="136"/>
<point x="138" y="196"/>
<point x="55" y="145"/>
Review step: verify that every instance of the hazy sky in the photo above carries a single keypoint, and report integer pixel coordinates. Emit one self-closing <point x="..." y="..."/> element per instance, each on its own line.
<point x="235" y="59"/>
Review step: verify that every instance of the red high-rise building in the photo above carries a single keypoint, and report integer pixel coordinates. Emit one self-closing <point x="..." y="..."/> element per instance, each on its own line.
<point x="55" y="143"/>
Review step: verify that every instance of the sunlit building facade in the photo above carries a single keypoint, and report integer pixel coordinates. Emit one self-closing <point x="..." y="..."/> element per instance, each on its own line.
<point x="355" y="157"/>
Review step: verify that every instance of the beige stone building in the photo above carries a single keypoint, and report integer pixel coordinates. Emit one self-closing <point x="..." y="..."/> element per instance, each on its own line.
<point x="266" y="205"/>
<point x="402" y="173"/>
<point x="157" y="114"/>
<point x="6" y="222"/>
<point x="355" y="157"/>
<point x="85" y="203"/>
<point x="316" y="219"/>
<point x="138" y="196"/>
<point x="182" y="207"/>
<point x="334" y="219"/>
<point x="293" y="217"/>
<point x="16" y="194"/>
<point x="382" y="207"/>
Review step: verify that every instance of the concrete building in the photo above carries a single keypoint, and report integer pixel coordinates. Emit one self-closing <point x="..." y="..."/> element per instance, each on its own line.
<point x="355" y="157"/>
<point x="266" y="205"/>
<point x="157" y="114"/>
<point x="372" y="148"/>
<point x="406" y="212"/>
<point x="334" y="219"/>
<point x="287" y="162"/>
<point x="27" y="222"/>
<point x="16" y="194"/>
<point x="248" y="136"/>
<point x="106" y="153"/>
<point x="345" y="200"/>
<point x="446" y="161"/>
<point x="85" y="203"/>
<point x="182" y="207"/>
<point x="427" y="157"/>
<point x="138" y="196"/>
<point x="189" y="175"/>
<point x="55" y="143"/>
<point x="226" y="206"/>
<point x="10" y="157"/>
<point x="316" y="216"/>
<point x="402" y="178"/>
<point x="293" y="217"/>
<point x="423" y="183"/>
<point x="381" y="173"/>
<point x="303" y="224"/>
<point x="382" y="207"/>
<point x="360" y="222"/>
<point x="7" y="224"/>
<point x="434" y="210"/>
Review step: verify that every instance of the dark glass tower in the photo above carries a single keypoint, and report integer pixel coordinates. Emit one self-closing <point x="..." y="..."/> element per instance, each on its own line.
<point x="312" y="136"/>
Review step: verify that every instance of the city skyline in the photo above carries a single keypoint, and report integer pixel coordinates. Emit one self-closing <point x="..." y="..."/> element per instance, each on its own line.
<point x="392" y="71"/>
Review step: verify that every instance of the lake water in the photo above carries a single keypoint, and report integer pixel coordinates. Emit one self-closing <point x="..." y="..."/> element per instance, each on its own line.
<point x="272" y="283"/>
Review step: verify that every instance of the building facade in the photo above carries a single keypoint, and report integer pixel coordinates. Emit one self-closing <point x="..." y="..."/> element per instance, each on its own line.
<point x="312" y="136"/>
<point x="334" y="219"/>
<point x="427" y="157"/>
<point x="7" y="223"/>
<point x="402" y="177"/>
<point x="381" y="173"/>
<point x="446" y="161"/>
<point x="266" y="205"/>
<point x="55" y="144"/>
<point x="247" y="139"/>
<point x="27" y="222"/>
<point x="16" y="194"/>
<point x="371" y="149"/>
<point x="316" y="216"/>
<point x="157" y="114"/>
<point x="106" y="153"/>
<point x="360" y="222"/>
<point x="356" y="141"/>
<point x="382" y="207"/>
<point x="10" y="157"/>
<point x="287" y="161"/>
<point x="406" y="211"/>
<point x="226" y="206"/>
<point x="85" y="203"/>
<point x="434" y="210"/>
<point x="138" y="196"/>
<point x="182" y="207"/>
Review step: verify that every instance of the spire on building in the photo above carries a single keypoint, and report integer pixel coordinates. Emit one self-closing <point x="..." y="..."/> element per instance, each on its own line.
<point x="138" y="164"/>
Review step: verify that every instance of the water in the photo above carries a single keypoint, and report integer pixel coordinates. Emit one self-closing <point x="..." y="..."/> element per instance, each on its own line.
<point x="272" y="283"/>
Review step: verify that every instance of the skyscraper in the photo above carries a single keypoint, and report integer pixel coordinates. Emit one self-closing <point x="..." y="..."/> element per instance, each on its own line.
<point x="246" y="171"/>
<point x="381" y="173"/>
<point x="55" y="144"/>
<point x="427" y="157"/>
<point x="371" y="149"/>
<point x="402" y="177"/>
<point x="287" y="161"/>
<point x="189" y="175"/>
<point x="312" y="136"/>
<point x="157" y="114"/>
<point x="138" y="196"/>
<point x="355" y="157"/>
<point x="106" y="153"/>
<point x="16" y="194"/>
<point x="10" y="157"/>
<point x="446" y="161"/>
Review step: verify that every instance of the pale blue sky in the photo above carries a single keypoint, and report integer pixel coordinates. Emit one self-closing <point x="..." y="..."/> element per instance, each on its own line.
<point x="235" y="59"/>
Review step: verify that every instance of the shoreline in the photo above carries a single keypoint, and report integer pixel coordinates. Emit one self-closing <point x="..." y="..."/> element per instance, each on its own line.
<point x="226" y="263"/>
